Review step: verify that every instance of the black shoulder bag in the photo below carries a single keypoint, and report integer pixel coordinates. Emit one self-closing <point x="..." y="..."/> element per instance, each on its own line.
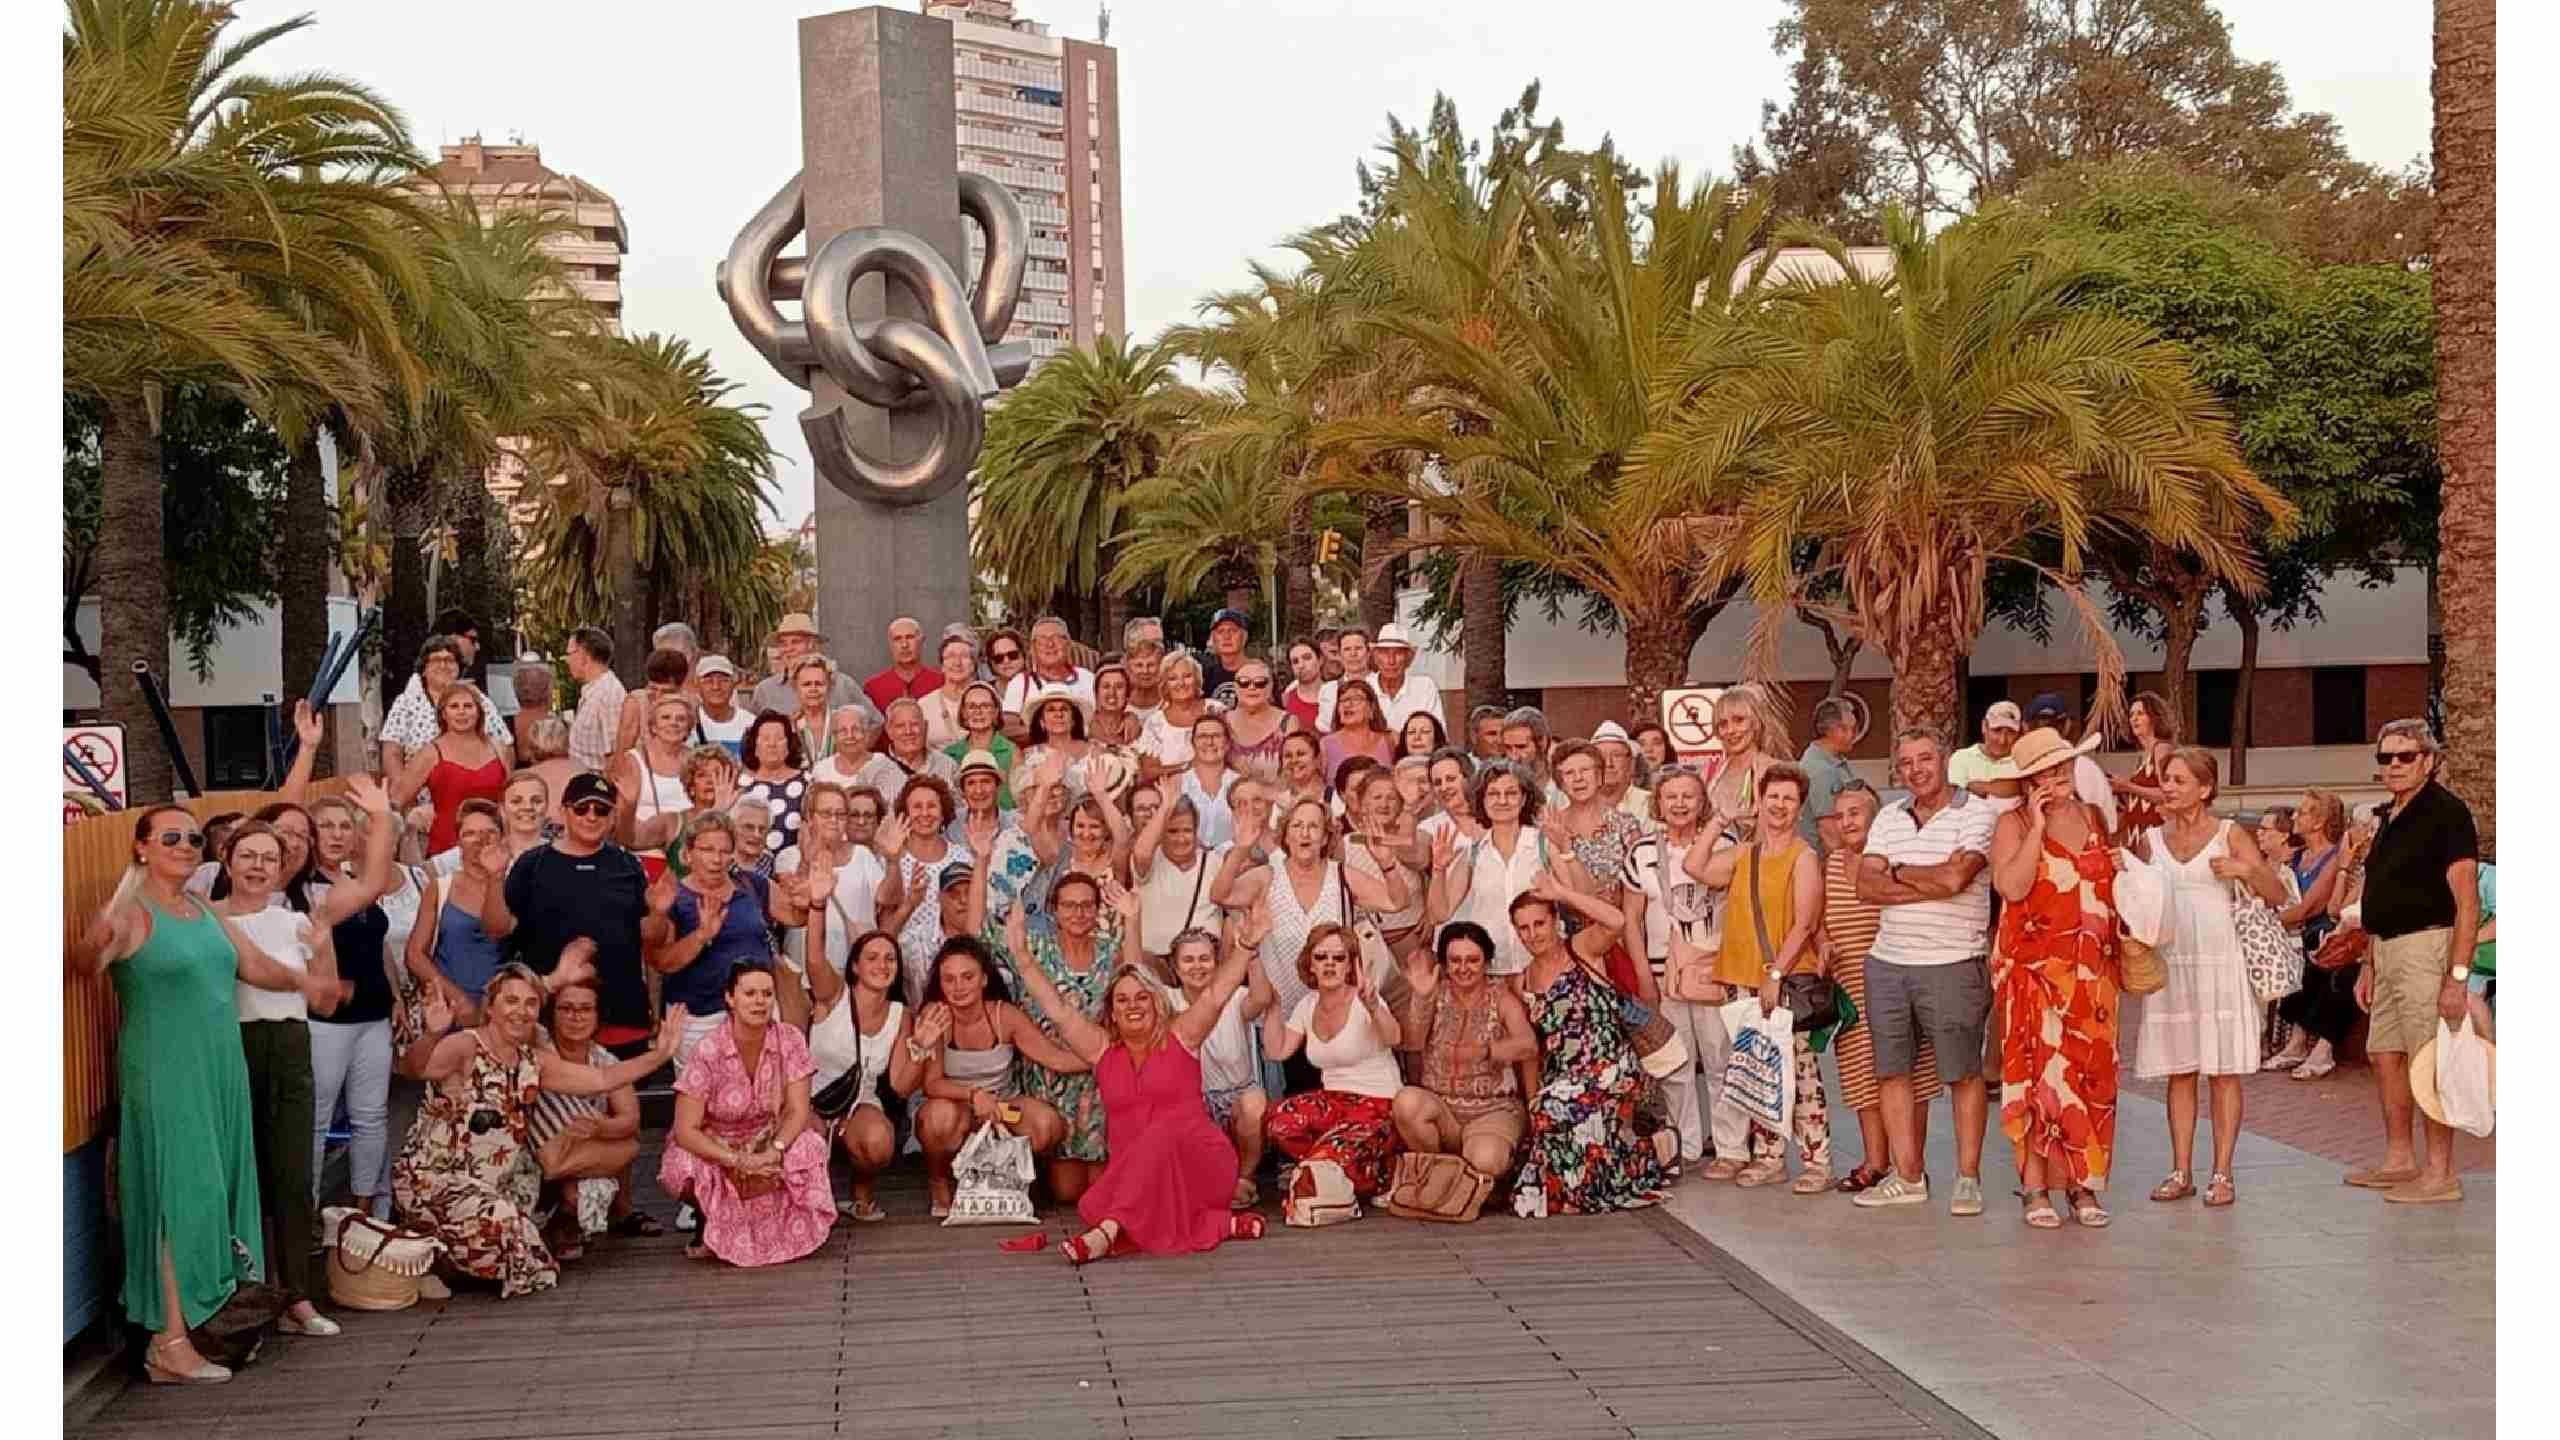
<point x="1812" y="1000"/>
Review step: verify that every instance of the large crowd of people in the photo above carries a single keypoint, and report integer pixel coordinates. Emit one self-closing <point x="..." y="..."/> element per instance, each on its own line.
<point x="1188" y="924"/>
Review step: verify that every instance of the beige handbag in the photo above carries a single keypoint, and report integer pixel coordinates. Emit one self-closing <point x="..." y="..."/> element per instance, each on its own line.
<point x="1444" y="1188"/>
<point x="374" y="1266"/>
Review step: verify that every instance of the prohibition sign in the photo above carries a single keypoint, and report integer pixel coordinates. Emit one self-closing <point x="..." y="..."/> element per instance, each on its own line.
<point x="1691" y="720"/>
<point x="100" y="752"/>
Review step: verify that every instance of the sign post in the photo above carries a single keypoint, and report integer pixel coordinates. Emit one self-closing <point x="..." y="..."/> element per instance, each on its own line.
<point x="98" y="750"/>
<point x="1689" y="716"/>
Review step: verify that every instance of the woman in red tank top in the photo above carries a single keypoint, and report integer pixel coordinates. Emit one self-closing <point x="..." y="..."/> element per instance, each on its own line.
<point x="460" y="765"/>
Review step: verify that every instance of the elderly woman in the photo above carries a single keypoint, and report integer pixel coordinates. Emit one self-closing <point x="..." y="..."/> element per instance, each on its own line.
<point x="1748" y="730"/>
<point x="1477" y="878"/>
<point x="463" y="1174"/>
<point x="189" y="1185"/>
<point x="1849" y="926"/>
<point x="710" y="777"/>
<point x="1166" y="739"/>
<point x="448" y="951"/>
<point x="1584" y="1156"/>
<point x="943" y="725"/>
<point x="846" y="876"/>
<point x="2206" y="1021"/>
<point x="1600" y="836"/>
<point x="649" y="777"/>
<point x="974" y="1044"/>
<point x="1305" y="888"/>
<point x="812" y="680"/>
<point x="533" y="685"/>
<point x="1257" y="725"/>
<point x="851" y="737"/>
<point x="665" y="672"/>
<point x="1058" y="732"/>
<point x="902" y="754"/>
<point x="1664" y="904"/>
<point x="415" y="719"/>
<point x="1208" y="779"/>
<point x="460" y="763"/>
<point x="2324" y="1009"/>
<point x="585" y="1143"/>
<point x="1166" y="1189"/>
<point x="1359" y="727"/>
<point x="1350" y="1035"/>
<point x="981" y="717"/>
<point x="1169" y="869"/>
<point x="927" y="807"/>
<point x="859" y="1038"/>
<point x="1472" y="1037"/>
<point x="1076" y="953"/>
<point x="713" y="920"/>
<point x="2054" y="976"/>
<point x="742" y="1150"/>
<point x="1114" y="723"/>
<point x="1381" y="833"/>
<point x="1086" y="834"/>
<point x="776" y="774"/>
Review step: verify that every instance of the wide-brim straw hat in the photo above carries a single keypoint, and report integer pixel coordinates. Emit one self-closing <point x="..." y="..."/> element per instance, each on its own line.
<point x="2422" y="1078"/>
<point x="980" y="760"/>
<point x="797" y="623"/>
<point x="1068" y="693"/>
<point x="2043" y="748"/>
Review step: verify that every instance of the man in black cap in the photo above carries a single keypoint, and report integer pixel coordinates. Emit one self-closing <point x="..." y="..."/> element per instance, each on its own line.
<point x="1228" y="630"/>
<point x="2088" y="780"/>
<point x="581" y="885"/>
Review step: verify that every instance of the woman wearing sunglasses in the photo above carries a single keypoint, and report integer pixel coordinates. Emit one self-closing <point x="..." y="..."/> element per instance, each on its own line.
<point x="188" y="1186"/>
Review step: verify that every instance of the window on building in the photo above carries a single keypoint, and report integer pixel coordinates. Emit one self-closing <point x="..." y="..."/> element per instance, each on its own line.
<point x="2337" y="706"/>
<point x="2217" y="697"/>
<point x="235" y="747"/>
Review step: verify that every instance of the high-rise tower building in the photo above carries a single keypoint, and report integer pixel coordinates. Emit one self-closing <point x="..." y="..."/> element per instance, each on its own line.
<point x="1041" y="114"/>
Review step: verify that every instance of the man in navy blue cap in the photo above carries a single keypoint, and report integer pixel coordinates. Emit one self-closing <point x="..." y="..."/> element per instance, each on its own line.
<point x="1227" y="632"/>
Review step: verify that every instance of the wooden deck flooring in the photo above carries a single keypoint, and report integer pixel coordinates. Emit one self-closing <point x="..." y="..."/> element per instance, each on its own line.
<point x="1624" y="1325"/>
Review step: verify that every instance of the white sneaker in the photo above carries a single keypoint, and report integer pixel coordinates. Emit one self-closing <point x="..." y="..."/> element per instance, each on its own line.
<point x="1893" y="1190"/>
<point x="2291" y="1055"/>
<point x="1968" y="1197"/>
<point x="2320" y="1062"/>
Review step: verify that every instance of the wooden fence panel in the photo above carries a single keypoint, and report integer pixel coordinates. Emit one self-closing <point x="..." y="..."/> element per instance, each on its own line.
<point x="94" y="855"/>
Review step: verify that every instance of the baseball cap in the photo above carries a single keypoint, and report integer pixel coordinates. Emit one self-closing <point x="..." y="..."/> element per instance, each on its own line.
<point x="2047" y="706"/>
<point x="2004" y="712"/>
<point x="587" y="785"/>
<point x="958" y="872"/>
<point x="1235" y="617"/>
<point x="714" y="665"/>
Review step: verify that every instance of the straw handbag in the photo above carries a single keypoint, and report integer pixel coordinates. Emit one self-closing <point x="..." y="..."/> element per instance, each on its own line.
<point x="374" y="1266"/>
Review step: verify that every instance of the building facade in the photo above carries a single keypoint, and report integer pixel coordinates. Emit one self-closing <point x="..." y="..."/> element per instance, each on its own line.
<point x="1041" y="114"/>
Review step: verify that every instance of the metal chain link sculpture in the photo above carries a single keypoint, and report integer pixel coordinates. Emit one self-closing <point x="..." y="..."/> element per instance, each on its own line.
<point x="949" y="364"/>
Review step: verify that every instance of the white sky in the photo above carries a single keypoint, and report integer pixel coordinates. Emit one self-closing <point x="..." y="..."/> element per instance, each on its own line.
<point x="1240" y="119"/>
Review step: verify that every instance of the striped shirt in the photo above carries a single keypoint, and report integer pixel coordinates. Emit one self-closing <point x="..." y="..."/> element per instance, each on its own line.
<point x="1847" y="921"/>
<point x="552" y="1110"/>
<point x="591" y="734"/>
<point x="1935" y="932"/>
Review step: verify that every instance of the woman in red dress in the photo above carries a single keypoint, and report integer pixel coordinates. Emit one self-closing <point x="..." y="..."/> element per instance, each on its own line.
<point x="460" y="764"/>
<point x="1170" y="1179"/>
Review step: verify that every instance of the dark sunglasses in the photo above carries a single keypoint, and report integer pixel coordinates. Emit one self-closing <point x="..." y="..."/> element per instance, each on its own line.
<point x="2397" y="757"/>
<point x="1250" y="683"/>
<point x="592" y="808"/>
<point x="175" y="839"/>
<point x="1004" y="657"/>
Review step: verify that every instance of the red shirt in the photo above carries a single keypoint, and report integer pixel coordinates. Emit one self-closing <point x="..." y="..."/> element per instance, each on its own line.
<point x="1305" y="710"/>
<point x="886" y="689"/>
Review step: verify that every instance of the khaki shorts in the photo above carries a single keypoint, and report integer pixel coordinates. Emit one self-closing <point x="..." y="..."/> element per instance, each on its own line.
<point x="1505" y="1119"/>
<point x="2408" y="973"/>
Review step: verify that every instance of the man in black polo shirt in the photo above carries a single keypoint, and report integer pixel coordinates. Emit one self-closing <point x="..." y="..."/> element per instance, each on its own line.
<point x="2421" y="902"/>
<point x="581" y="885"/>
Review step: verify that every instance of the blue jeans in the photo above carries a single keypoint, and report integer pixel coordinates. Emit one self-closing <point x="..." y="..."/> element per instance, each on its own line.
<point x="353" y="1061"/>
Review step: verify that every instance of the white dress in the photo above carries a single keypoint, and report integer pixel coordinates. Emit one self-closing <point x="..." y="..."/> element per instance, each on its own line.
<point x="2207" y="1020"/>
<point x="1290" y="924"/>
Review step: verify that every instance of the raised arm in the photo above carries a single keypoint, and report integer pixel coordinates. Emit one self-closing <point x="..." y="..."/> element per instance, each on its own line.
<point x="1712" y="864"/>
<point x="1087" y="1039"/>
<point x="1389" y="891"/>
<point x="2017" y="852"/>
<point x="308" y="730"/>
<point x="567" y="1078"/>
<point x="1034" y="1044"/>
<point x="382" y="837"/>
<point x="1450" y="881"/>
<point x="1192" y="1026"/>
<point x="1142" y="849"/>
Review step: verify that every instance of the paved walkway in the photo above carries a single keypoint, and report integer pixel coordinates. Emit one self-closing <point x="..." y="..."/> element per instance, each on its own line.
<point x="2306" y="1309"/>
<point x="2336" y="1117"/>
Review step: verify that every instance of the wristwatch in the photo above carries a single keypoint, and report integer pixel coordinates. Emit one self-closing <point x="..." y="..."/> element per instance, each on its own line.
<point x="2461" y="974"/>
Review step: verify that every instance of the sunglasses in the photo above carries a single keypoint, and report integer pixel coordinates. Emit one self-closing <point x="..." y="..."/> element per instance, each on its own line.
<point x="181" y="839"/>
<point x="1333" y="955"/>
<point x="592" y="809"/>
<point x="2397" y="757"/>
<point x="1254" y="683"/>
<point x="1004" y="657"/>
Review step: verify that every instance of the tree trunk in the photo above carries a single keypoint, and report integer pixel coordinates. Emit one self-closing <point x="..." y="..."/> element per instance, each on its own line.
<point x="302" y="578"/>
<point x="622" y="571"/>
<point x="1116" y="611"/>
<point x="1657" y="660"/>
<point x="2244" y="694"/>
<point x="1382" y="524"/>
<point x="2177" y="666"/>
<point x="1297" y="583"/>
<point x="2466" y="295"/>
<point x="1481" y="636"/>
<point x="407" y="494"/>
<point x="132" y="577"/>
<point x="1924" y="681"/>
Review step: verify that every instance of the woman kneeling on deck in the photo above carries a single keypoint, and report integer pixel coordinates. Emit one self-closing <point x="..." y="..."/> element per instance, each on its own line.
<point x="466" y="1172"/>
<point x="743" y="1150"/>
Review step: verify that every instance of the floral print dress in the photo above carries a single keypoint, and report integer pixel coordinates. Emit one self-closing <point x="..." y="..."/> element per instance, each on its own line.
<point x="1584" y="1155"/>
<point x="1077" y="1097"/>
<point x="2054" y="976"/>
<point x="477" y="1192"/>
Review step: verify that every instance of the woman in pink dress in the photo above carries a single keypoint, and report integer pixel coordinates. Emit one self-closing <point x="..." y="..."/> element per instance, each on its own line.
<point x="1170" y="1179"/>
<point x="743" y="1150"/>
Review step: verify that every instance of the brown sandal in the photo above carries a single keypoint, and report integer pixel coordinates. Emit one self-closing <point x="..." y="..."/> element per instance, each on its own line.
<point x="2218" y="1191"/>
<point x="2177" y="1187"/>
<point x="1865" y="1177"/>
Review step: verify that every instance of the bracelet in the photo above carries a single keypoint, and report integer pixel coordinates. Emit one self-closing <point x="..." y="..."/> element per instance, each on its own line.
<point x="918" y="1054"/>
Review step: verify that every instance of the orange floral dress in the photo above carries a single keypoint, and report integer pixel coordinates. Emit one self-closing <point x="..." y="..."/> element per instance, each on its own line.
<point x="2054" y="975"/>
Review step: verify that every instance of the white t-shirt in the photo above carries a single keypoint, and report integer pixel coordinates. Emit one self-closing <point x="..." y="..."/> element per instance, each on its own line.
<point x="1019" y="690"/>
<point x="284" y="934"/>
<point x="731" y="732"/>
<point x="853" y="909"/>
<point x="1355" y="1061"/>
<point x="1171" y="901"/>
<point x="1419" y="696"/>
<point x="1226" y="1055"/>
<point x="1490" y="891"/>
<point x="1935" y="932"/>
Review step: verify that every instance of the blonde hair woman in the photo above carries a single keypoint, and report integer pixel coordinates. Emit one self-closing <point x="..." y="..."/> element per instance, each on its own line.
<point x="1748" y="727"/>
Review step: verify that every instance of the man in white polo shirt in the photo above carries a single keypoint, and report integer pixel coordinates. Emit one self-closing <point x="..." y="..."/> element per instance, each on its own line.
<point x="1927" y="972"/>
<point x="1402" y="695"/>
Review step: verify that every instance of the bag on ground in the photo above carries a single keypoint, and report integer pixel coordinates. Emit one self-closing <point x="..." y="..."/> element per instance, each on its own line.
<point x="1437" y="1187"/>
<point x="1760" y="1067"/>
<point x="2463" y="1079"/>
<point x="1320" y="1194"/>
<point x="993" y="1171"/>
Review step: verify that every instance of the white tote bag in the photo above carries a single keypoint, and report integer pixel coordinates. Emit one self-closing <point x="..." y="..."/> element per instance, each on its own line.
<point x="1760" y="1066"/>
<point x="994" y="1174"/>
<point x="2463" y="1079"/>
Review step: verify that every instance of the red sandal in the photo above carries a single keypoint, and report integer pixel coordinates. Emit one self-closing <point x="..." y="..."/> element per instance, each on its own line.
<point x="1078" y="1252"/>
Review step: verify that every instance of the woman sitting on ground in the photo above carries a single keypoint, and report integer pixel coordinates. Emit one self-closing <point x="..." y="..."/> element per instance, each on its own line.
<point x="462" y="1175"/>
<point x="860" y="1031"/>
<point x="967" y="1038"/>
<point x="743" y="1151"/>
<point x="1230" y="1073"/>
<point x="1350" y="1035"/>
<point x="1472" y="1037"/>
<point x="1165" y="1189"/>
<point x="586" y="1143"/>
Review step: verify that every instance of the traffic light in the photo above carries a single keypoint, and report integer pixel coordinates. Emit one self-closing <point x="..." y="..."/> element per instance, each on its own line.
<point x="1328" y="546"/>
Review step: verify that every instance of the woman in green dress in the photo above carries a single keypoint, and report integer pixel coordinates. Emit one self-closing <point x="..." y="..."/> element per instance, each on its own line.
<point x="187" y="1167"/>
<point x="1076" y="950"/>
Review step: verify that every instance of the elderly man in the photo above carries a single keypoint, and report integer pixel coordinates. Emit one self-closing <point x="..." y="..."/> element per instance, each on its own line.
<point x="1228" y="631"/>
<point x="533" y="687"/>
<point x="2418" y="893"/>
<point x="721" y="720"/>
<point x="1524" y="743"/>
<point x="1402" y="695"/>
<point x="1618" y="771"/>
<point x="1826" y="766"/>
<point x="795" y="637"/>
<point x="1927" y="974"/>
<point x="1142" y="654"/>
<point x="1484" y="732"/>
<point x="1980" y="768"/>
<point x="906" y="678"/>
<point x="600" y="697"/>
<point x="1052" y="663"/>
<point x="677" y="635"/>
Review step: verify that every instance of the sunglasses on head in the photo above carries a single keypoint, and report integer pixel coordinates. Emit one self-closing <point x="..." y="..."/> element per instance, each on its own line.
<point x="2397" y="757"/>
<point x="176" y="839"/>
<point x="592" y="809"/>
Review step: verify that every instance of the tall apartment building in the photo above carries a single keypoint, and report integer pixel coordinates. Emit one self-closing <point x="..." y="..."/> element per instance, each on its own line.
<point x="500" y="178"/>
<point x="1041" y="114"/>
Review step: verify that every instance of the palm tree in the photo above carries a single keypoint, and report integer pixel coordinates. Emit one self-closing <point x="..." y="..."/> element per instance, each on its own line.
<point x="1212" y="517"/>
<point x="1535" y="397"/>
<point x="1061" y="454"/>
<point x="1917" y="427"/>
<point x="2466" y="293"/>
<point x="218" y="227"/>
<point x="659" y="485"/>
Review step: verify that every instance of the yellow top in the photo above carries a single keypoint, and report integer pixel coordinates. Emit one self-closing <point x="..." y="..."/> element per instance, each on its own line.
<point x="1742" y="962"/>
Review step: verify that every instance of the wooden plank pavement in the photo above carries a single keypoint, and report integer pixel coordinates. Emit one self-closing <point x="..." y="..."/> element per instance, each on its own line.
<point x="1625" y="1325"/>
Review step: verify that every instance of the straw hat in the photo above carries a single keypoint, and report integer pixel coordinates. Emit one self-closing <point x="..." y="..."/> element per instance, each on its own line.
<point x="2422" y="1078"/>
<point x="980" y="760"/>
<point x="797" y="623"/>
<point x="1068" y="693"/>
<point x="2043" y="748"/>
